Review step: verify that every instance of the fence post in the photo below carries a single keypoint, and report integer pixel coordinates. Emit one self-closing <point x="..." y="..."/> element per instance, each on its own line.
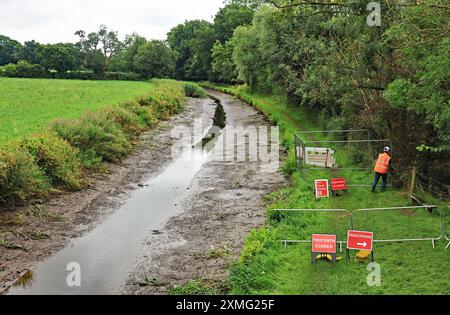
<point x="413" y="180"/>
<point x="296" y="150"/>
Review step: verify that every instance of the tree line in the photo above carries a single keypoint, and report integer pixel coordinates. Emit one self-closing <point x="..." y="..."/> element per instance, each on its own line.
<point x="323" y="55"/>
<point x="97" y="52"/>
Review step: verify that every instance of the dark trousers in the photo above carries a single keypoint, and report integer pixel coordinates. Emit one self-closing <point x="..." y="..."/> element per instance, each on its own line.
<point x="377" y="179"/>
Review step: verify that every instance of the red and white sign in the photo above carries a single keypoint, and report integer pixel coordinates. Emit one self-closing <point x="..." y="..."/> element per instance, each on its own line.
<point x="338" y="184"/>
<point x="322" y="243"/>
<point x="359" y="240"/>
<point x="322" y="188"/>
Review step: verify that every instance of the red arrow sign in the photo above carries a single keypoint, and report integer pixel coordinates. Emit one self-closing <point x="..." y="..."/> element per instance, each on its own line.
<point x="359" y="240"/>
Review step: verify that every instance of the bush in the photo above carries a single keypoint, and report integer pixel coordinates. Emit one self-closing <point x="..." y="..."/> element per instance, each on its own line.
<point x="193" y="90"/>
<point x="20" y="177"/>
<point x="145" y="115"/>
<point x="128" y="121"/>
<point x="23" y="69"/>
<point x="97" y="136"/>
<point x="166" y="100"/>
<point x="57" y="159"/>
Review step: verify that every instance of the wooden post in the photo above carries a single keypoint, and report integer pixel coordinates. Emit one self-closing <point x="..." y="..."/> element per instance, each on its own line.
<point x="413" y="180"/>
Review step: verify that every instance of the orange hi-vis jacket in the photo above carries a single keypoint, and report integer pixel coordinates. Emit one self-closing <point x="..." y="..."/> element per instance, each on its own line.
<point x="382" y="164"/>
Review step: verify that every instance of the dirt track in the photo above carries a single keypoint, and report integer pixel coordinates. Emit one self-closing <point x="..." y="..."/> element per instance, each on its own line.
<point x="223" y="203"/>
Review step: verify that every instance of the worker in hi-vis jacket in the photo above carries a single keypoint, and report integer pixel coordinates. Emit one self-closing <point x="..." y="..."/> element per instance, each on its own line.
<point x="382" y="169"/>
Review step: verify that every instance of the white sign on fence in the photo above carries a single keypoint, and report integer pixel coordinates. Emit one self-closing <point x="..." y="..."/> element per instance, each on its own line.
<point x="321" y="157"/>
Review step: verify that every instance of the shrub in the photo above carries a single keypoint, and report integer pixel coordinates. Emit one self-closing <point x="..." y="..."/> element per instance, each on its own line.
<point x="193" y="90"/>
<point x="57" y="159"/>
<point x="166" y="100"/>
<point x="20" y="177"/>
<point x="146" y="115"/>
<point x="97" y="136"/>
<point x="128" y="121"/>
<point x="23" y="69"/>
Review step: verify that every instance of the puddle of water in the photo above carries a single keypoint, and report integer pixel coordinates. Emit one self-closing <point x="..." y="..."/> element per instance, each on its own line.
<point x="106" y="253"/>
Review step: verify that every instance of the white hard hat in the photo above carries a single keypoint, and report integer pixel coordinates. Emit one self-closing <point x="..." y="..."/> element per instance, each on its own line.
<point x="387" y="149"/>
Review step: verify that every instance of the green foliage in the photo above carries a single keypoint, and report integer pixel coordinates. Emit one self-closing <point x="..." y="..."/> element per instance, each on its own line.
<point x="144" y="115"/>
<point x="126" y="119"/>
<point x="187" y="40"/>
<point x="255" y="242"/>
<point x="20" y="177"/>
<point x="155" y="60"/>
<point x="9" y="50"/>
<point x="196" y="287"/>
<point x="59" y="57"/>
<point x="57" y="159"/>
<point x="97" y="136"/>
<point x="223" y="68"/>
<point x="23" y="69"/>
<point x="193" y="90"/>
<point x="229" y="18"/>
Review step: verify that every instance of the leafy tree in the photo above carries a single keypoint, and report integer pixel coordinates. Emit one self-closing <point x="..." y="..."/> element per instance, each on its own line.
<point x="231" y="17"/>
<point x="155" y="60"/>
<point x="186" y="39"/>
<point x="9" y="50"/>
<point x="104" y="41"/>
<point x="29" y="52"/>
<point x="245" y="55"/>
<point x="423" y="49"/>
<point x="59" y="57"/>
<point x="124" y="60"/>
<point x="223" y="68"/>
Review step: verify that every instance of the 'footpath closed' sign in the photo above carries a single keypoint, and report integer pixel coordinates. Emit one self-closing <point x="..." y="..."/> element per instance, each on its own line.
<point x="322" y="188"/>
<point x="324" y="243"/>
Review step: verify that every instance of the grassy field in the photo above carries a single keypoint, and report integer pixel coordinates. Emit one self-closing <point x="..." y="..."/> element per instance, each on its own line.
<point x="26" y="105"/>
<point x="266" y="266"/>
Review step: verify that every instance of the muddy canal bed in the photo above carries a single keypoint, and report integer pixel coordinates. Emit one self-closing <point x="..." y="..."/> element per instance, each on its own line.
<point x="225" y="202"/>
<point x="161" y="217"/>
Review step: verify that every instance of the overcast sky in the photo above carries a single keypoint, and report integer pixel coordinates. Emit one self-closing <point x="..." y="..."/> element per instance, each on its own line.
<point x="53" y="21"/>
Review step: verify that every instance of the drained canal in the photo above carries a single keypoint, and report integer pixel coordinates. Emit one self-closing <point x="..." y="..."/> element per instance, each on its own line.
<point x="105" y="254"/>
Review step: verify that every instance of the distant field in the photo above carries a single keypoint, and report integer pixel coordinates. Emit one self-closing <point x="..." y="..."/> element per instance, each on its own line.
<point x="26" y="105"/>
